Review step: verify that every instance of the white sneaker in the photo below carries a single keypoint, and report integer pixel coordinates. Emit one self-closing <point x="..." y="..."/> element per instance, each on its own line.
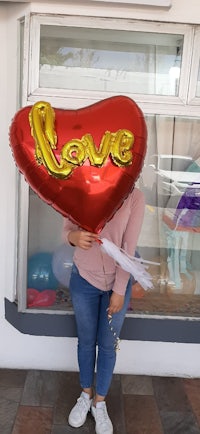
<point x="78" y="414"/>
<point x="103" y="422"/>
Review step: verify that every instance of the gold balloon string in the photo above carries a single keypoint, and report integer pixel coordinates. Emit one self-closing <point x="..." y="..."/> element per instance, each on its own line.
<point x="116" y="337"/>
<point x="109" y="316"/>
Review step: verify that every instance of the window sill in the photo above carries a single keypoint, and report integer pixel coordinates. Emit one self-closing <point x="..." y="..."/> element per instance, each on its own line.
<point x="134" y="328"/>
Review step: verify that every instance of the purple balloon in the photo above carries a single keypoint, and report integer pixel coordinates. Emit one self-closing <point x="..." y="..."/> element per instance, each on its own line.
<point x="188" y="210"/>
<point x="62" y="263"/>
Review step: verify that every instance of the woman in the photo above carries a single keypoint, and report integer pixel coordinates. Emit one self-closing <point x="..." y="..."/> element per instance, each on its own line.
<point x="100" y="292"/>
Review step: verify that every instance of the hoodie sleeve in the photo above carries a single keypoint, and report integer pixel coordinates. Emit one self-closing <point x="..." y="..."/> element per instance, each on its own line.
<point x="130" y="238"/>
<point x="68" y="226"/>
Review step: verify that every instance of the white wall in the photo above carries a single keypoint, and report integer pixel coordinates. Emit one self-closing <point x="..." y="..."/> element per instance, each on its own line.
<point x="181" y="11"/>
<point x="3" y="142"/>
<point x="24" y="351"/>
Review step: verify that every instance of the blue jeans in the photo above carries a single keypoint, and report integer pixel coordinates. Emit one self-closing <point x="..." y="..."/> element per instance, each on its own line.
<point x="90" y="308"/>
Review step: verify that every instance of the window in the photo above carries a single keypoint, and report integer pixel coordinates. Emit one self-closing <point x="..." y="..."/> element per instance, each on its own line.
<point x="110" y="60"/>
<point x="171" y="183"/>
<point x="75" y="61"/>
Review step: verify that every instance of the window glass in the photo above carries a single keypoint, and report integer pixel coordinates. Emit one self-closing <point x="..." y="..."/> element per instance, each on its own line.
<point x="110" y="60"/>
<point x="198" y="84"/>
<point x="170" y="181"/>
<point x="21" y="53"/>
<point x="49" y="258"/>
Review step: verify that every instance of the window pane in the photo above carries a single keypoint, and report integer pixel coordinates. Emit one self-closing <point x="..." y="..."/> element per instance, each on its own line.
<point x="198" y="84"/>
<point x="171" y="183"/>
<point x="49" y="259"/>
<point x="21" y="53"/>
<point x="110" y="60"/>
<point x="170" y="236"/>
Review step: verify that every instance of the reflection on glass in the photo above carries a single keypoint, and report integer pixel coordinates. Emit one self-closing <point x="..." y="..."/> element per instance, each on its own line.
<point x="175" y="70"/>
<point x="198" y="84"/>
<point x="171" y="183"/>
<point x="110" y="60"/>
<point x="170" y="234"/>
<point x="49" y="259"/>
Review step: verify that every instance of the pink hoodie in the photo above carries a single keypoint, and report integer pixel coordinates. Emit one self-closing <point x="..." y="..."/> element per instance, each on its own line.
<point x="123" y="229"/>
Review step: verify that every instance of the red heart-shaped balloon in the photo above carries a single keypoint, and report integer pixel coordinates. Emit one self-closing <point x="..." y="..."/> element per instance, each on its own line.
<point x="92" y="193"/>
<point x="43" y="298"/>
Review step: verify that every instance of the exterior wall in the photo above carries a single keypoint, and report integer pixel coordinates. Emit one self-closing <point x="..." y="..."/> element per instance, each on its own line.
<point x="24" y="351"/>
<point x="180" y="11"/>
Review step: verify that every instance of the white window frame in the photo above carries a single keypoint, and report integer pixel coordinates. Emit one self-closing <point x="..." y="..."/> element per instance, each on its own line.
<point x="158" y="3"/>
<point x="75" y="99"/>
<point x="192" y="98"/>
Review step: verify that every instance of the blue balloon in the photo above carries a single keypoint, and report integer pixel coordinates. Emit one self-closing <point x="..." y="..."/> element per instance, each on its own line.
<point x="40" y="272"/>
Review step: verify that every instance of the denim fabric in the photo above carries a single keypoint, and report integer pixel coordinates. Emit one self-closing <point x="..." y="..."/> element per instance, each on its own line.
<point x="90" y="307"/>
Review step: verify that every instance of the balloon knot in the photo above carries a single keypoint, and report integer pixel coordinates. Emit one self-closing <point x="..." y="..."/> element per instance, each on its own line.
<point x="99" y="241"/>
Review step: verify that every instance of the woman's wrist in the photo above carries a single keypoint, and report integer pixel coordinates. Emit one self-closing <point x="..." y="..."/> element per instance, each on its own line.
<point x="82" y="239"/>
<point x="71" y="239"/>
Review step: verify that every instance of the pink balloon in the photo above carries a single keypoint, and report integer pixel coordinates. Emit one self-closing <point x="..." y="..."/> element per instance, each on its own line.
<point x="31" y="295"/>
<point x="44" y="298"/>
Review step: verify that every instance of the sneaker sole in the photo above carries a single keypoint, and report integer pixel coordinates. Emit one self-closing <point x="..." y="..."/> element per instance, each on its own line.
<point x="73" y="425"/>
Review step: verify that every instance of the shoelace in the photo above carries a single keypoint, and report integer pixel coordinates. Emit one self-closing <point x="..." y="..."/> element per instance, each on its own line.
<point x="82" y="404"/>
<point x="102" y="416"/>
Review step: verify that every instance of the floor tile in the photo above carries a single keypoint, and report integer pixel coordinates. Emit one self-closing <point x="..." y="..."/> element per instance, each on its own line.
<point x="12" y="377"/>
<point x="179" y="422"/>
<point x="33" y="420"/>
<point x="115" y="406"/>
<point x="39" y="402"/>
<point x="8" y="410"/>
<point x="6" y="430"/>
<point x="11" y="393"/>
<point x="40" y="388"/>
<point x="9" y="401"/>
<point x="87" y="428"/>
<point x="170" y="394"/>
<point x="192" y="388"/>
<point x="141" y="415"/>
<point x="137" y="385"/>
<point x="65" y="428"/>
<point x="68" y="392"/>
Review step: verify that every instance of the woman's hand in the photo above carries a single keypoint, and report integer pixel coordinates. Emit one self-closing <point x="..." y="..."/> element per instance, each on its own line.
<point x="116" y="303"/>
<point x="82" y="239"/>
